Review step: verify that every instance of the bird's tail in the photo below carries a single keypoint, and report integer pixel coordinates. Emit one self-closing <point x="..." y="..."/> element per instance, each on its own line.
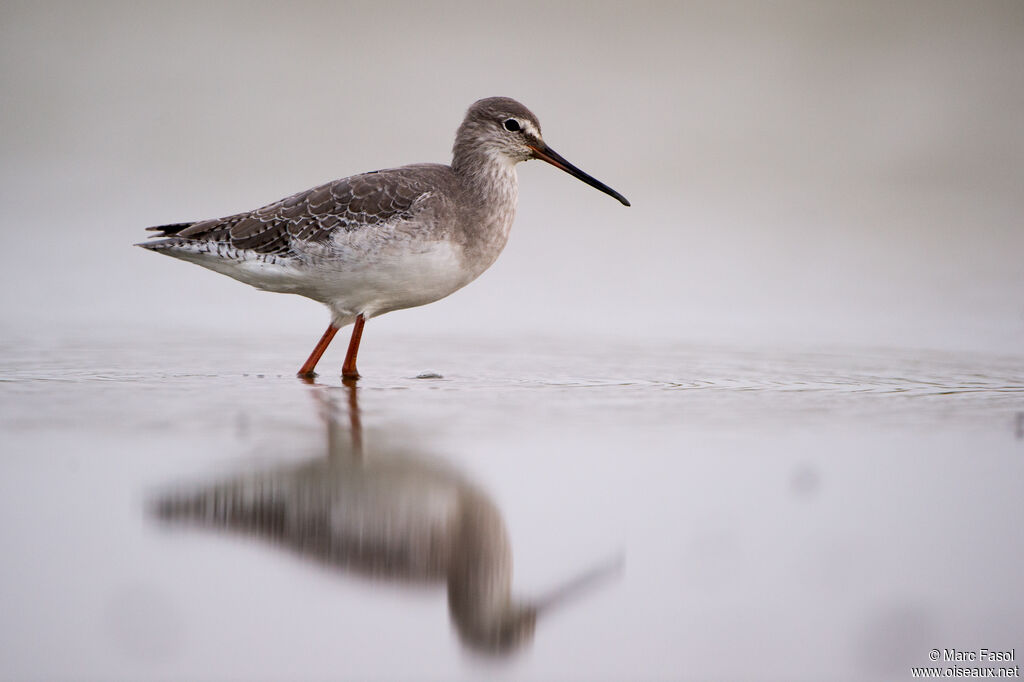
<point x="248" y="503"/>
<point x="169" y="236"/>
<point x="169" y="230"/>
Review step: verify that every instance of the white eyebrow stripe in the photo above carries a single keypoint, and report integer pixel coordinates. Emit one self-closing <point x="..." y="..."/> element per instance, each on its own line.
<point x="530" y="128"/>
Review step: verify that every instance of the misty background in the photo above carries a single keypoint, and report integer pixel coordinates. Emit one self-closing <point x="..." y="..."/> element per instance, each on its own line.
<point x="838" y="173"/>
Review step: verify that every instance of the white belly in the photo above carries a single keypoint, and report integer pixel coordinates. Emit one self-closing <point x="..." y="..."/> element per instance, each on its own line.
<point x="398" y="275"/>
<point x="394" y="278"/>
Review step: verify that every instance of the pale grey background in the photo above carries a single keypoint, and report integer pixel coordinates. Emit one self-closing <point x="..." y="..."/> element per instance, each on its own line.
<point x="828" y="172"/>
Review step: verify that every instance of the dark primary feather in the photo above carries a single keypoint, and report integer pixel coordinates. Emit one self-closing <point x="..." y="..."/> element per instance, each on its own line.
<point x="169" y="230"/>
<point x="315" y="214"/>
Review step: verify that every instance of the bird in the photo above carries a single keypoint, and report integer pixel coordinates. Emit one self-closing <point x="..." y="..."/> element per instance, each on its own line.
<point x="386" y="240"/>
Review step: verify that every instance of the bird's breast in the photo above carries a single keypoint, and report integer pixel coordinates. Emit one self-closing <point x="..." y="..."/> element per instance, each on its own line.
<point x="405" y="276"/>
<point x="483" y="231"/>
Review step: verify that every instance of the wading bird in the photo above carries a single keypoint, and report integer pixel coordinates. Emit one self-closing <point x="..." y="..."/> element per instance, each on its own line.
<point x="391" y="239"/>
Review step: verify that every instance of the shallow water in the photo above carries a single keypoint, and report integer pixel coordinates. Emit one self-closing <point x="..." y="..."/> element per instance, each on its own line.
<point x="772" y="512"/>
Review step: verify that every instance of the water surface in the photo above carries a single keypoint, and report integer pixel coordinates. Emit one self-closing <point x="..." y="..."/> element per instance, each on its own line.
<point x="789" y="513"/>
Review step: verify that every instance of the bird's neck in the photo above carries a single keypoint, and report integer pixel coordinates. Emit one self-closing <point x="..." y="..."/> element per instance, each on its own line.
<point x="490" y="191"/>
<point x="480" y="567"/>
<point x="489" y="175"/>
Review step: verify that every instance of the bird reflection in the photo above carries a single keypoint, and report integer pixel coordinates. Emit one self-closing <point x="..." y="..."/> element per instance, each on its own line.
<point x="391" y="514"/>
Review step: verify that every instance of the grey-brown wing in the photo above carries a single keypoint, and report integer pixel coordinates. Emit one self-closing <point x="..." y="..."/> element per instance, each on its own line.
<point x="314" y="215"/>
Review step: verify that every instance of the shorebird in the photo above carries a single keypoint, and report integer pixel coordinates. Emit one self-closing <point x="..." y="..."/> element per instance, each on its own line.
<point x="386" y="240"/>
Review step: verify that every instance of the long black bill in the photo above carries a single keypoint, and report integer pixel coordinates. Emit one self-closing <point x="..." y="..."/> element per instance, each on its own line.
<point x="548" y="154"/>
<point x="580" y="584"/>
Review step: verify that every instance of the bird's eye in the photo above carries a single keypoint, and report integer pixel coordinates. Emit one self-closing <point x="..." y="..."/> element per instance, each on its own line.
<point x="512" y="125"/>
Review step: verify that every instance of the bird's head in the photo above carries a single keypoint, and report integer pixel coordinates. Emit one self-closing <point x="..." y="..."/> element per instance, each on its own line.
<point x="503" y="131"/>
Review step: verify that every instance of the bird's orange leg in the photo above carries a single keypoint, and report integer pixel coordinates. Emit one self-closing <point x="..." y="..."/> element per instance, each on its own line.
<point x="348" y="370"/>
<point x="307" y="369"/>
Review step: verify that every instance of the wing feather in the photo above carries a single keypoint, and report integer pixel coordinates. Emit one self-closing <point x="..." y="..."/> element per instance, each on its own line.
<point x="288" y="226"/>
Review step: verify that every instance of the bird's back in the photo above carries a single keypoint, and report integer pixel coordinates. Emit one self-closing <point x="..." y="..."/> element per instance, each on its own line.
<point x="295" y="225"/>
